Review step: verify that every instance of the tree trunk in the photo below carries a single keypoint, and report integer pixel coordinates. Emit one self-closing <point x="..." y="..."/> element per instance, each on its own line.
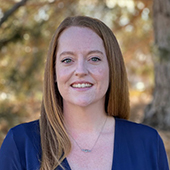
<point x="157" y="113"/>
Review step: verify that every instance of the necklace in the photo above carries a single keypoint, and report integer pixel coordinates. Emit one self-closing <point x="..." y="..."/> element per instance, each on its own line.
<point x="90" y="150"/>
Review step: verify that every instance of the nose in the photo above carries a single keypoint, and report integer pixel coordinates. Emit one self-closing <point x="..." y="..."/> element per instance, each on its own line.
<point x="81" y="68"/>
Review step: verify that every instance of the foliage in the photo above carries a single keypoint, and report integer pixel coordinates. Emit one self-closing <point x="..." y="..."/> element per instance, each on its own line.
<point x="25" y="38"/>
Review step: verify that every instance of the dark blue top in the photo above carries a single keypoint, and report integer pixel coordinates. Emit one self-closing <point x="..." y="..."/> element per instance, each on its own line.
<point x="136" y="147"/>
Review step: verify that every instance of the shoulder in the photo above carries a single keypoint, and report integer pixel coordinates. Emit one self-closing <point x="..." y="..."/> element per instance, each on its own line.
<point x="32" y="126"/>
<point x="21" y="148"/>
<point x="138" y="137"/>
<point x="24" y="135"/>
<point x="28" y="125"/>
<point x="26" y="131"/>
<point x="137" y="130"/>
<point x="143" y="142"/>
<point x="24" y="138"/>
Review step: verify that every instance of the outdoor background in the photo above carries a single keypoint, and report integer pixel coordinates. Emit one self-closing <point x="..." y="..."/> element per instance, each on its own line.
<point x="25" y="33"/>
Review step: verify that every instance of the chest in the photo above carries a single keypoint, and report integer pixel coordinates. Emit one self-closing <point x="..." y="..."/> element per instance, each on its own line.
<point x="101" y="157"/>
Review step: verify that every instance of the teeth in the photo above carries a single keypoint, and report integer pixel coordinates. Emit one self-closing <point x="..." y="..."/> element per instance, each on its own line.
<point x="81" y="85"/>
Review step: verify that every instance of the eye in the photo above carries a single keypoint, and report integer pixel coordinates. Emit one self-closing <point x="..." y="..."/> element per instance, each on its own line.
<point x="66" y="60"/>
<point x="95" y="59"/>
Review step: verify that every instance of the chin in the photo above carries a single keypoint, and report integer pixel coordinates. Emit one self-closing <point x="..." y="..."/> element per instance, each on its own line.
<point x="83" y="103"/>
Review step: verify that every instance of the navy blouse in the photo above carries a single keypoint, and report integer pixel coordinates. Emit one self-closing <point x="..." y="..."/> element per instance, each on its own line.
<point x="136" y="147"/>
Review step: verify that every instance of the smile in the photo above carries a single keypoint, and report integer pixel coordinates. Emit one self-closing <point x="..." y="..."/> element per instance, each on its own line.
<point x="82" y="85"/>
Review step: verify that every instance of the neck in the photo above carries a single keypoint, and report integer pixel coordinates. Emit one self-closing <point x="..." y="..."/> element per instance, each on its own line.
<point x="84" y="119"/>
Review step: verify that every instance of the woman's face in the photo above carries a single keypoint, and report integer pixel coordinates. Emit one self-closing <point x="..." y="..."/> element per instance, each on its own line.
<point x="82" y="71"/>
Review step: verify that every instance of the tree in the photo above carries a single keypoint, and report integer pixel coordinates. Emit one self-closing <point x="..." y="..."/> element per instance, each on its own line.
<point x="157" y="113"/>
<point x="25" y="36"/>
<point x="12" y="10"/>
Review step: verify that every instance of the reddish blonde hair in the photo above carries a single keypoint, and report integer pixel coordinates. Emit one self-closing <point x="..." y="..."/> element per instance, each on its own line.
<point x="54" y="138"/>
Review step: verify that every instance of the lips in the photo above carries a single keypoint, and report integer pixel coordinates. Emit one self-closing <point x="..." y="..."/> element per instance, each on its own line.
<point x="81" y="85"/>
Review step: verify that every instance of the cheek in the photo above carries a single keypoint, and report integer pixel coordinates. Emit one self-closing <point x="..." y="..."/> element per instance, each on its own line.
<point x="102" y="73"/>
<point x="104" y="77"/>
<point x="61" y="79"/>
<point x="61" y="75"/>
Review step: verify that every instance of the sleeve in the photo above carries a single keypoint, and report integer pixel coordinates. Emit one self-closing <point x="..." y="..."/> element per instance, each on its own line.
<point x="162" y="157"/>
<point x="9" y="155"/>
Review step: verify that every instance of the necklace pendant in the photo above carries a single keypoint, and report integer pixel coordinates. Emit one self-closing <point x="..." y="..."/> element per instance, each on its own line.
<point x="86" y="150"/>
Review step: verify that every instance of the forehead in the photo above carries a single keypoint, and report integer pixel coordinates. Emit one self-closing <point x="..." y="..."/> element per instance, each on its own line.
<point x="79" y="31"/>
<point x="80" y="37"/>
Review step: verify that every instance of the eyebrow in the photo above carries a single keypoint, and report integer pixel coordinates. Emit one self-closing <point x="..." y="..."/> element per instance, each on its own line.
<point x="72" y="53"/>
<point x="95" y="51"/>
<point x="66" y="53"/>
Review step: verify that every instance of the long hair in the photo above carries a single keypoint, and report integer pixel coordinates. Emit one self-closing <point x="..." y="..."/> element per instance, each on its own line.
<point x="55" y="142"/>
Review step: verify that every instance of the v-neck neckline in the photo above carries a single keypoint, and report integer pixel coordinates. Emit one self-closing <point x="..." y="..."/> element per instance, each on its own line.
<point x="66" y="165"/>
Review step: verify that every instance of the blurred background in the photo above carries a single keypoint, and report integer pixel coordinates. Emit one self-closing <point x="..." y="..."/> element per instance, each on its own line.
<point x="27" y="26"/>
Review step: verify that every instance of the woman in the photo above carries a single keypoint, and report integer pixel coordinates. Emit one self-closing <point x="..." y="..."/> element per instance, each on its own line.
<point x="84" y="110"/>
